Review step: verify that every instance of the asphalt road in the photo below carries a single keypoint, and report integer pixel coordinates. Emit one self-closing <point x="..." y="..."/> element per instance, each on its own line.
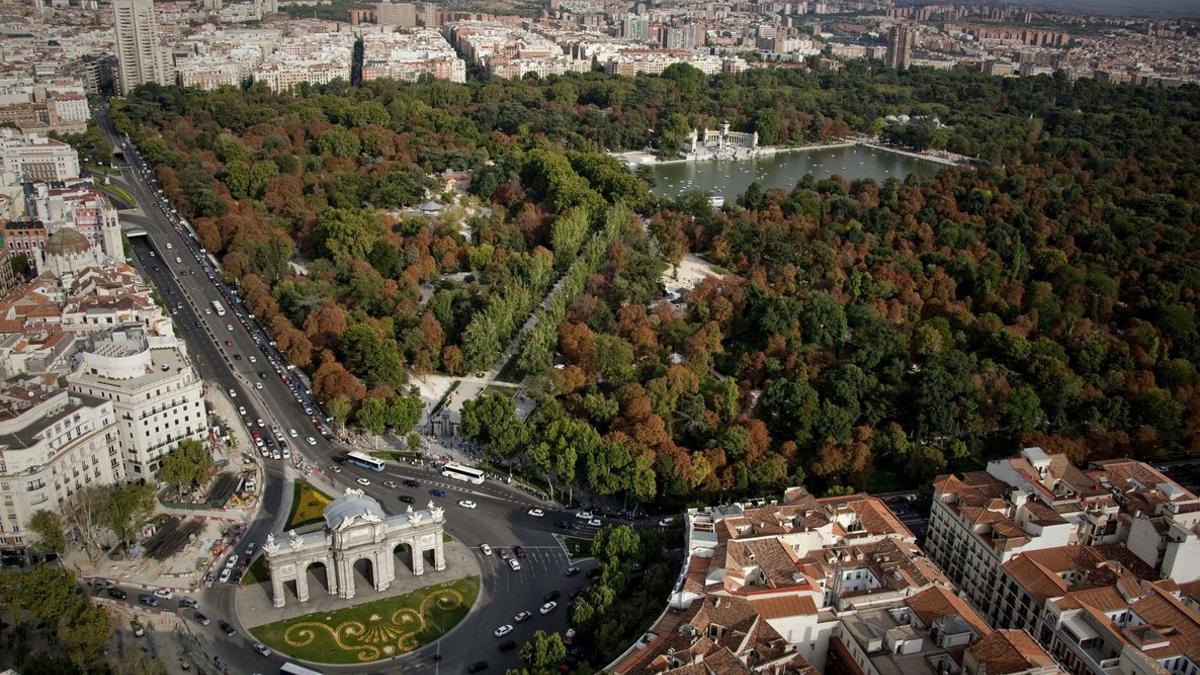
<point x="221" y="348"/>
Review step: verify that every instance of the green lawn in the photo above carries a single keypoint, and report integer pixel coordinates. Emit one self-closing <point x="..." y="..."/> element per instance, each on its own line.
<point x="120" y="193"/>
<point x="308" y="505"/>
<point x="578" y="547"/>
<point x="375" y="630"/>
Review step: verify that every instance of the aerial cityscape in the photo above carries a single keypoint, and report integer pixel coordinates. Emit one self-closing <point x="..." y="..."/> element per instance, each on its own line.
<point x="640" y="337"/>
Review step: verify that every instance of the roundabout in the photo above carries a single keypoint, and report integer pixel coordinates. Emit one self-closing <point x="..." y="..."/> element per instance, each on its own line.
<point x="375" y="630"/>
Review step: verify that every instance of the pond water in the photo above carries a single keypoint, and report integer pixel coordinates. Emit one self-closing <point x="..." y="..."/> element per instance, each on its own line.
<point x="730" y="178"/>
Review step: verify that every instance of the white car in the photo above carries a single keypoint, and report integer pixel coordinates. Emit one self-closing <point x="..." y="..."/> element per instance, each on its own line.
<point x="292" y="433"/>
<point x="262" y="649"/>
<point x="231" y="561"/>
<point x="229" y="327"/>
<point x="287" y="454"/>
<point x="311" y="440"/>
<point x="251" y="359"/>
<point x="537" y="513"/>
<point x="503" y="630"/>
<point x="666" y="521"/>
<point x="242" y="410"/>
<point x="584" y="515"/>
<point x="163" y="593"/>
<point x="178" y="260"/>
<point x="363" y="482"/>
<point x="548" y="607"/>
<point x="521" y="616"/>
<point x="467" y="504"/>
<point x="232" y="394"/>
<point x="169" y="244"/>
<point x="516" y="566"/>
<point x="391" y="484"/>
<point x="225" y="574"/>
<point x="487" y="550"/>
<point x="207" y="310"/>
<point x="258" y="385"/>
<point x="595" y="522"/>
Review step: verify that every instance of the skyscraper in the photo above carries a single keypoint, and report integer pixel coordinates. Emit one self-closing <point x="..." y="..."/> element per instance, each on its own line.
<point x="901" y="40"/>
<point x="139" y="55"/>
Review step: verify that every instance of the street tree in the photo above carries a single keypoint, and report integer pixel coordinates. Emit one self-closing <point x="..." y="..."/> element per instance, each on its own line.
<point x="128" y="507"/>
<point x="49" y="528"/>
<point x="187" y="466"/>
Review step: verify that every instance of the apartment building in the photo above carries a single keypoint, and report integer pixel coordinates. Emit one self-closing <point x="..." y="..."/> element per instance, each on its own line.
<point x="30" y="104"/>
<point x="31" y="156"/>
<point x="139" y="53"/>
<point x="901" y="42"/>
<point x="1127" y="511"/>
<point x="80" y="206"/>
<point x="156" y="393"/>
<point x="52" y="443"/>
<point x="313" y="58"/>
<point x="408" y="55"/>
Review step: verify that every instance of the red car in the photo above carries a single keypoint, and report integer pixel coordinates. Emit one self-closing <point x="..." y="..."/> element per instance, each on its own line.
<point x="519" y="551"/>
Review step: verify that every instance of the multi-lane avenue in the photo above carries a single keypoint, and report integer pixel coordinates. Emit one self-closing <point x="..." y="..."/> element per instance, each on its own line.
<point x="234" y="355"/>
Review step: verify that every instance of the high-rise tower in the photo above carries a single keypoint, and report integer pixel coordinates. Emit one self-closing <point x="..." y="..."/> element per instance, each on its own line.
<point x="139" y="55"/>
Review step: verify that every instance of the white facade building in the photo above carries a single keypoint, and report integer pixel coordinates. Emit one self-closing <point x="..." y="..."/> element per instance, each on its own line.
<point x="34" y="157"/>
<point x="52" y="443"/>
<point x="156" y="392"/>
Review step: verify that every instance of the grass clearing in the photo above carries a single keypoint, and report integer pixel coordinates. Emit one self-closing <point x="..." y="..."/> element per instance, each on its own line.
<point x="308" y="505"/>
<point x="578" y="547"/>
<point x="373" y="630"/>
<point x="120" y="194"/>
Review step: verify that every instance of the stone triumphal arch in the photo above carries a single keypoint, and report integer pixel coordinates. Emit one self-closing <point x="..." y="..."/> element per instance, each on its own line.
<point x="356" y="528"/>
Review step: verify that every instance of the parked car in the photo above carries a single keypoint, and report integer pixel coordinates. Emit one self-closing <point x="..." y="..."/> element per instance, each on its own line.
<point x="148" y="600"/>
<point x="389" y="484"/>
<point x="437" y="493"/>
<point x="408" y="482"/>
<point x="407" y="499"/>
<point x="584" y="515"/>
<point x="231" y="561"/>
<point x="536" y="513"/>
<point x="487" y="550"/>
<point x="571" y="571"/>
<point x="363" y="482"/>
<point x="521" y="616"/>
<point x="516" y="566"/>
<point x="202" y="620"/>
<point x="227" y="629"/>
<point x="595" y="522"/>
<point x="663" y="522"/>
<point x="262" y="649"/>
<point x="467" y="504"/>
<point x="209" y="579"/>
<point x="225" y="574"/>
<point x="163" y="593"/>
<point x="117" y="594"/>
<point x="188" y="602"/>
<point x="519" y="551"/>
<point x="548" y="607"/>
<point x="503" y="630"/>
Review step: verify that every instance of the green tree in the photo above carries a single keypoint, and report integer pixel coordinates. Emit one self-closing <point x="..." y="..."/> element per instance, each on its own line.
<point x="492" y="419"/>
<point x="347" y="234"/>
<point x="48" y="526"/>
<point x="544" y="652"/>
<point x="339" y="142"/>
<point x="187" y="466"/>
<point x="128" y="507"/>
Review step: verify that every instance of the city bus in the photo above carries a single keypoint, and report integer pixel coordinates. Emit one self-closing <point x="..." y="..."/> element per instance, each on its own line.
<point x="463" y="473"/>
<point x="364" y="460"/>
<point x="294" y="669"/>
<point x="218" y="308"/>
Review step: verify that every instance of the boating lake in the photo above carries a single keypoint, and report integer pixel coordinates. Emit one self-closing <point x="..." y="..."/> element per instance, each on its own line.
<point x="730" y="178"/>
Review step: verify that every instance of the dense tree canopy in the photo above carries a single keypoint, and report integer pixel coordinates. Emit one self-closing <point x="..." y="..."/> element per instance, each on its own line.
<point x="861" y="331"/>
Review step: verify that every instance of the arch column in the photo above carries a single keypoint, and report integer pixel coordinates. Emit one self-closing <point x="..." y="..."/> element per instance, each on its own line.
<point x="302" y="584"/>
<point x="277" y="591"/>
<point x="379" y="571"/>
<point x="418" y="558"/>
<point x="331" y="577"/>
<point x="345" y="572"/>
<point x="439" y="553"/>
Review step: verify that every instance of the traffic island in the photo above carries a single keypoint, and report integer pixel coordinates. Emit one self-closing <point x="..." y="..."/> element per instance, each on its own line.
<point x="375" y="630"/>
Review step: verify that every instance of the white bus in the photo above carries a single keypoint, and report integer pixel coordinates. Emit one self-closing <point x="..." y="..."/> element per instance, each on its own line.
<point x="296" y="669"/>
<point x="463" y="473"/>
<point x="364" y="460"/>
<point x="218" y="308"/>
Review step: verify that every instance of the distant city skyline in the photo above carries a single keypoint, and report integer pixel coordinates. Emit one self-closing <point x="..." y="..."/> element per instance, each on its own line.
<point x="1155" y="8"/>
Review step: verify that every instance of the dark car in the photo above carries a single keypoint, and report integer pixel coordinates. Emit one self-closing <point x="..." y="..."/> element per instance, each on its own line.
<point x="411" y="483"/>
<point x="571" y="571"/>
<point x="519" y="551"/>
<point x="407" y="499"/>
<point x="593" y="573"/>
<point x="227" y="629"/>
<point x="202" y="620"/>
<point x="148" y="600"/>
<point x="117" y="594"/>
<point x="507" y="646"/>
<point x="188" y="602"/>
<point x="477" y="667"/>
<point x="552" y="595"/>
<point x="438" y="493"/>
